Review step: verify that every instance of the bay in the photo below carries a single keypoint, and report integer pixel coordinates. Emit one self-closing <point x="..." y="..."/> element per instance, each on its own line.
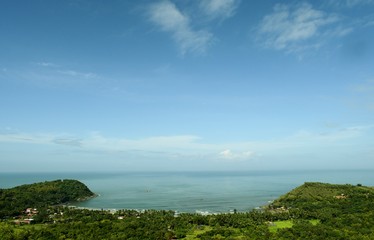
<point x="206" y="192"/>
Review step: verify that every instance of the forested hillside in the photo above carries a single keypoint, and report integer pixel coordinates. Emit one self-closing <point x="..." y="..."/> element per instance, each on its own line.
<point x="17" y="199"/>
<point x="322" y="200"/>
<point x="311" y="211"/>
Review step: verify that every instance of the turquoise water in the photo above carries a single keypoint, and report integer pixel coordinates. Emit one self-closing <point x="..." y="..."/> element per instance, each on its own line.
<point x="191" y="191"/>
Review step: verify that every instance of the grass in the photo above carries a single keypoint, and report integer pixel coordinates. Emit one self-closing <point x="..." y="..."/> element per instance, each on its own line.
<point x="198" y="231"/>
<point x="280" y="224"/>
<point x="287" y="224"/>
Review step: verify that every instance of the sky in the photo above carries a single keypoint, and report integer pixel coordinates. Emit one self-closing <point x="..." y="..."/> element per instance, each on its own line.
<point x="186" y="85"/>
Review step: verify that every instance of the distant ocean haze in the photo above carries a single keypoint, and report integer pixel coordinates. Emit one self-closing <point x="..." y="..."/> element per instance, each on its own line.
<point x="213" y="192"/>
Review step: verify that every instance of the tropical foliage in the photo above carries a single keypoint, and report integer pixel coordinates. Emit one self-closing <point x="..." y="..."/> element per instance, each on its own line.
<point x="17" y="199"/>
<point x="311" y="211"/>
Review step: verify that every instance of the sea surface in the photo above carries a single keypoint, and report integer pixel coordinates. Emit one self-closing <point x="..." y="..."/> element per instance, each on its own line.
<point x="204" y="192"/>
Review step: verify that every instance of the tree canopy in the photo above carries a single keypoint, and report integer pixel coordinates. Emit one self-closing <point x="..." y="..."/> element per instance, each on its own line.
<point x="36" y="195"/>
<point x="311" y="211"/>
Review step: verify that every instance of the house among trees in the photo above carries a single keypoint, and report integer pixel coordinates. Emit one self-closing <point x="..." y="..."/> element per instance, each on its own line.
<point x="31" y="211"/>
<point x="28" y="217"/>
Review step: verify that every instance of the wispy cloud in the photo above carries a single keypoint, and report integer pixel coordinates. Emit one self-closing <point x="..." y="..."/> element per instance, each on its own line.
<point x="73" y="73"/>
<point x="339" y="135"/>
<point x="219" y="8"/>
<point x="350" y="3"/>
<point x="68" y="142"/>
<point x="186" y="29"/>
<point x="370" y="23"/>
<point x="16" y="136"/>
<point x="46" y="74"/>
<point x="46" y="64"/>
<point x="8" y="130"/>
<point x="159" y="143"/>
<point x="68" y="72"/>
<point x="294" y="28"/>
<point x="170" y="19"/>
<point x="187" y="147"/>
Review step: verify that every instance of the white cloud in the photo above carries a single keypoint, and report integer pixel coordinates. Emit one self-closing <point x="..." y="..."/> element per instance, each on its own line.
<point x="46" y="64"/>
<point x="73" y="142"/>
<point x="187" y="143"/>
<point x="350" y="3"/>
<point x="236" y="156"/>
<point x="14" y="136"/>
<point x="295" y="28"/>
<point x="333" y="144"/>
<point x="170" y="19"/>
<point x="336" y="136"/>
<point x="43" y="74"/>
<point x="160" y="143"/>
<point x="168" y="16"/>
<point x="219" y="8"/>
<point x="73" y="73"/>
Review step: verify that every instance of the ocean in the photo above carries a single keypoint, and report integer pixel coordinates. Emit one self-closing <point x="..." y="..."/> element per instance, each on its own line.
<point x="204" y="192"/>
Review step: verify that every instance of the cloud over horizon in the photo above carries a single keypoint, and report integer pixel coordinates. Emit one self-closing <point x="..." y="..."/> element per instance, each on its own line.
<point x="192" y="148"/>
<point x="230" y="155"/>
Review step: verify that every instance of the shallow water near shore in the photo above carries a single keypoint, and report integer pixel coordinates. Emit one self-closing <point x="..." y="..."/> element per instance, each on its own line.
<point x="212" y="192"/>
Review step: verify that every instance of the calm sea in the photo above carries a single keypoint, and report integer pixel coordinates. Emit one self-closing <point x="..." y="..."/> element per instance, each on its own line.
<point x="191" y="191"/>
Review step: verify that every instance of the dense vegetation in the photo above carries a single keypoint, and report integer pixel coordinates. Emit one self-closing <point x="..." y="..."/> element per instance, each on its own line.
<point x="326" y="201"/>
<point x="17" y="199"/>
<point x="311" y="211"/>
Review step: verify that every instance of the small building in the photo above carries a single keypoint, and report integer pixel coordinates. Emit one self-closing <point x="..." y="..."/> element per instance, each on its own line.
<point x="341" y="196"/>
<point x="31" y="211"/>
<point x="23" y="221"/>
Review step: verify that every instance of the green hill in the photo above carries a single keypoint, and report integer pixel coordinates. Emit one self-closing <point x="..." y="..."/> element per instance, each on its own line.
<point x="36" y="195"/>
<point x="333" y="199"/>
<point x="317" y="211"/>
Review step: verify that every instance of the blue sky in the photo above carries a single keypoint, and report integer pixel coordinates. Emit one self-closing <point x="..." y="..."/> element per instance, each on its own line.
<point x="94" y="85"/>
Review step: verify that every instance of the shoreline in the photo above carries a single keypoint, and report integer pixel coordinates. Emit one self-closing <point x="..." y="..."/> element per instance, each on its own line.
<point x="197" y="211"/>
